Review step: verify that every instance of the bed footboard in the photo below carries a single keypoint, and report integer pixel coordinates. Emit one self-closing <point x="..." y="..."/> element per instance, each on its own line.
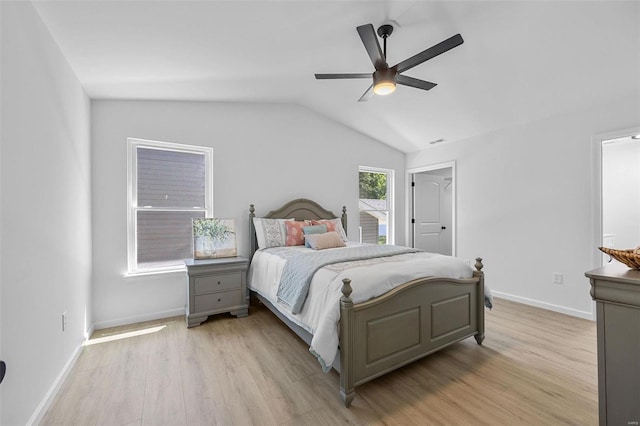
<point x="431" y="312"/>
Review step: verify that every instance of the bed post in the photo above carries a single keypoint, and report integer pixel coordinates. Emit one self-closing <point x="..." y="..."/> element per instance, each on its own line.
<point x="344" y="218"/>
<point x="252" y="232"/>
<point x="347" y="331"/>
<point x="480" y="275"/>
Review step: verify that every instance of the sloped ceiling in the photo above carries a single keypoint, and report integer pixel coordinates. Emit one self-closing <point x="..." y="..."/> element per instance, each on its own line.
<point x="521" y="61"/>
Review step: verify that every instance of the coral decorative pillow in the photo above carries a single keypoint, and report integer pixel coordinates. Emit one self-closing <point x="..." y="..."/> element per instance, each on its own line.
<point x="295" y="235"/>
<point x="332" y="225"/>
<point x="325" y="241"/>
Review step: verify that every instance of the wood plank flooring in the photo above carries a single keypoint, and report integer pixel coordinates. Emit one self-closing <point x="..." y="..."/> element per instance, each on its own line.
<point x="534" y="367"/>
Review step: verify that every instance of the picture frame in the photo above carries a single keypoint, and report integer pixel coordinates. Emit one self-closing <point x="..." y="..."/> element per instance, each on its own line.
<point x="214" y="238"/>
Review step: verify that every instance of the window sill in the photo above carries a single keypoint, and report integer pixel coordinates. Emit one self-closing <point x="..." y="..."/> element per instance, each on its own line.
<point x="177" y="269"/>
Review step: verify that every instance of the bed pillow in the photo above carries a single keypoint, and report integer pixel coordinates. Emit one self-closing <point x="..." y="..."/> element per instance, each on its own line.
<point x="332" y="225"/>
<point x="313" y="229"/>
<point x="295" y="235"/>
<point x="325" y="241"/>
<point x="270" y="232"/>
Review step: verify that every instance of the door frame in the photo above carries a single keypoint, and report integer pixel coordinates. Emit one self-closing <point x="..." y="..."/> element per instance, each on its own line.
<point x="596" y="188"/>
<point x="409" y="201"/>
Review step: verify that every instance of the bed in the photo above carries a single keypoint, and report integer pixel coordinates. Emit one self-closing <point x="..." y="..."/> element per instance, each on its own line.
<point x="380" y="334"/>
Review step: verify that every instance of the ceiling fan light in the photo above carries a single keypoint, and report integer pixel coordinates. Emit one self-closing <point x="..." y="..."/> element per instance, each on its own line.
<point x="384" y="82"/>
<point x="384" y="88"/>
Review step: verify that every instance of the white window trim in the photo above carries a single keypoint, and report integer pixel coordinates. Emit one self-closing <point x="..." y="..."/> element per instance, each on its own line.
<point x="132" y="195"/>
<point x="391" y="237"/>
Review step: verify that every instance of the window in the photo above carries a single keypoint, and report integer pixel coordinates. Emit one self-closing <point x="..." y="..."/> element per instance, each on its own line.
<point x="376" y="205"/>
<point x="168" y="185"/>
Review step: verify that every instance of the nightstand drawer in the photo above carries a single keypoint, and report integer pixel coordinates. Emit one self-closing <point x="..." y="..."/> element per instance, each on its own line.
<point x="214" y="301"/>
<point x="218" y="282"/>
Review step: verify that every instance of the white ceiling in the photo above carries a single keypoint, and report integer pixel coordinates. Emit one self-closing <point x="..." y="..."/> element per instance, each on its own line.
<point x="520" y="62"/>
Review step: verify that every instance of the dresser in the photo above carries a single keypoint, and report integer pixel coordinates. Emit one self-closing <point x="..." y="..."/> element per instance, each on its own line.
<point x="216" y="286"/>
<point x="616" y="290"/>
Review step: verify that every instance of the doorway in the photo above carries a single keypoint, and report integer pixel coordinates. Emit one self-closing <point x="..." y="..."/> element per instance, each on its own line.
<point x="620" y="193"/>
<point x="615" y="192"/>
<point x="432" y="210"/>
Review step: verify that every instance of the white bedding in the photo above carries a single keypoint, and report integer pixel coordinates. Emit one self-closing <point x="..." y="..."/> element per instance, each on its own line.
<point x="369" y="278"/>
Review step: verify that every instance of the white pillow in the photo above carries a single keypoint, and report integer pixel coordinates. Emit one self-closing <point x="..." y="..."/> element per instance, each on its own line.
<point x="270" y="232"/>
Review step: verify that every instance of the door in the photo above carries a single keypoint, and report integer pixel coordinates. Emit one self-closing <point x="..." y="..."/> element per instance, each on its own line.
<point x="432" y="208"/>
<point x="620" y="193"/>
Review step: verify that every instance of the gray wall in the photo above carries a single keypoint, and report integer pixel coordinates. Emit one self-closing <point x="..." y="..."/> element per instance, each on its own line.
<point x="46" y="201"/>
<point x="264" y="154"/>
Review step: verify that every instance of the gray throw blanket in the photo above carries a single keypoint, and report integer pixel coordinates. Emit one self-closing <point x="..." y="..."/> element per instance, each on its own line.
<point x="299" y="270"/>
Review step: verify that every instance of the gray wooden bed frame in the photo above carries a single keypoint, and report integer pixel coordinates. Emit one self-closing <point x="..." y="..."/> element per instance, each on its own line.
<point x="407" y="323"/>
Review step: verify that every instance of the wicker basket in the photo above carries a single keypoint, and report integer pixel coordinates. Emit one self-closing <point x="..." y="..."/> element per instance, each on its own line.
<point x="630" y="257"/>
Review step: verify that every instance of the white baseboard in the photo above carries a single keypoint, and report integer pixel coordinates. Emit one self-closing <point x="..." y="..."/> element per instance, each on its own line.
<point x="137" y="318"/>
<point x="89" y="332"/>
<point x="544" y="305"/>
<point x="42" y="408"/>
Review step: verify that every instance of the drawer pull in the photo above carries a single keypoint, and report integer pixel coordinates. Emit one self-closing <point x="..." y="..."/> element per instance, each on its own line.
<point x="215" y="283"/>
<point x="219" y="300"/>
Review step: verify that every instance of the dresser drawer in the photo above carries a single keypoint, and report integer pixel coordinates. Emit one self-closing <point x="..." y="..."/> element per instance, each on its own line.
<point x="220" y="300"/>
<point x="218" y="282"/>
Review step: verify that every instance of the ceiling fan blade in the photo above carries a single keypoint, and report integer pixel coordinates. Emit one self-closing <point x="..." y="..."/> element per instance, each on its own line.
<point x="370" y="41"/>
<point x="366" y="95"/>
<point x="414" y="82"/>
<point x="335" y="76"/>
<point x="431" y="52"/>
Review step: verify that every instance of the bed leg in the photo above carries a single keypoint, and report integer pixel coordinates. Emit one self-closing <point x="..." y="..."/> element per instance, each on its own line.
<point x="347" y="391"/>
<point x="478" y="273"/>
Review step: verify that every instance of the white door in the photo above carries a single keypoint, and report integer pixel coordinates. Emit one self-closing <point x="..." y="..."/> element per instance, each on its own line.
<point x="432" y="214"/>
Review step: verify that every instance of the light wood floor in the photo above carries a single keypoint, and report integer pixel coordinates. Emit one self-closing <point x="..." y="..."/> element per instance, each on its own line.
<point x="534" y="367"/>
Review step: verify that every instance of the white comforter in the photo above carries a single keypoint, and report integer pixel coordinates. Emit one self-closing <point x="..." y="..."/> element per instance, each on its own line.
<point x="369" y="278"/>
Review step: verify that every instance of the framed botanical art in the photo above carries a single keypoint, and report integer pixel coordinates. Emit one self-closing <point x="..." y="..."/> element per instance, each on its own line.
<point x="213" y="238"/>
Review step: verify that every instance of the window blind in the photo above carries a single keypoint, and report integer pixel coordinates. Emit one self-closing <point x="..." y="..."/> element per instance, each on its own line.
<point x="164" y="235"/>
<point x="170" y="191"/>
<point x="170" y="178"/>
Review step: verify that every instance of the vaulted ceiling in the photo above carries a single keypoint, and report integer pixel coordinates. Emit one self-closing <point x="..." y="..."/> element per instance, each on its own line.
<point x="521" y="61"/>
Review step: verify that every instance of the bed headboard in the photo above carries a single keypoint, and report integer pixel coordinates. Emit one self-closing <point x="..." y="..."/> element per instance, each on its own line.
<point x="300" y="209"/>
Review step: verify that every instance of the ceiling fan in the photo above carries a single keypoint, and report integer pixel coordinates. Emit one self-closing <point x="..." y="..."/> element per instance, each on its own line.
<point x="385" y="78"/>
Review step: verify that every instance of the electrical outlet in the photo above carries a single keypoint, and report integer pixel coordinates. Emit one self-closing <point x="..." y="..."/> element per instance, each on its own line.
<point x="557" y="278"/>
<point x="65" y="318"/>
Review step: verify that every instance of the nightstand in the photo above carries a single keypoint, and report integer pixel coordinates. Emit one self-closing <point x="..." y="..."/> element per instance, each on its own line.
<point x="216" y="286"/>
